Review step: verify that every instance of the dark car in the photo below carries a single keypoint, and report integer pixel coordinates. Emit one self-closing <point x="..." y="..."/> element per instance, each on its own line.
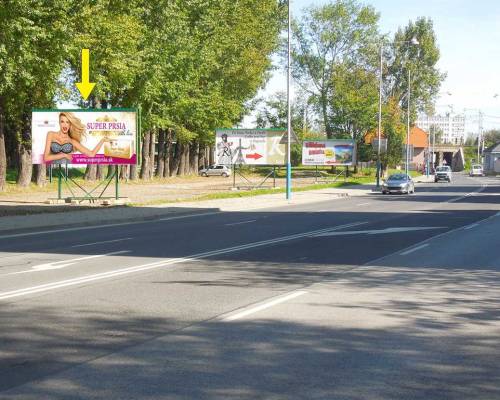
<point x="398" y="183"/>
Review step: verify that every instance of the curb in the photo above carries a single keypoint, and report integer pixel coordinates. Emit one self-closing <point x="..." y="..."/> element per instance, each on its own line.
<point x="98" y="217"/>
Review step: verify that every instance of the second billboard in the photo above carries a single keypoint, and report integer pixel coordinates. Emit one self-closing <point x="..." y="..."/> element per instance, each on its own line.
<point x="250" y="147"/>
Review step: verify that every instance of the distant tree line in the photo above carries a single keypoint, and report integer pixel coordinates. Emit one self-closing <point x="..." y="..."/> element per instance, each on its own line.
<point x="336" y="62"/>
<point x="191" y="66"/>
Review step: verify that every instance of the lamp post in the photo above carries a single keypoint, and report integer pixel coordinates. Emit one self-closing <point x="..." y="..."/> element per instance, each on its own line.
<point x="289" y="118"/>
<point x="379" y="114"/>
<point x="415" y="42"/>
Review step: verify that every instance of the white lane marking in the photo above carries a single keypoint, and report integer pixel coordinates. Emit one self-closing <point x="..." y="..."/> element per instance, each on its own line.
<point x="362" y="204"/>
<point x="404" y="253"/>
<point x="66" y="263"/>
<point x="241" y="223"/>
<point x="382" y="231"/>
<point x="159" y="264"/>
<point x="466" y="195"/>
<point x="83" y="228"/>
<point x="106" y="241"/>
<point x="264" y="306"/>
<point x="381" y="259"/>
<point x="471" y="226"/>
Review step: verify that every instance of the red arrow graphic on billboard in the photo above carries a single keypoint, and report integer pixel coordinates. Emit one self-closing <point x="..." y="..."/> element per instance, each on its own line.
<point x="255" y="156"/>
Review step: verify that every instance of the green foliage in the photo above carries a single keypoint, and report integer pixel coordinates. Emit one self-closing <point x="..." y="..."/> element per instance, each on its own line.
<point x="421" y="60"/>
<point x="491" y="138"/>
<point x="394" y="131"/>
<point x="336" y="48"/>
<point x="355" y="102"/>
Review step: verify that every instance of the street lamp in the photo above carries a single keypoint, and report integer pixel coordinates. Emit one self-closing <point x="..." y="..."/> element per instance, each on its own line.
<point x="414" y="42"/>
<point x="289" y="118"/>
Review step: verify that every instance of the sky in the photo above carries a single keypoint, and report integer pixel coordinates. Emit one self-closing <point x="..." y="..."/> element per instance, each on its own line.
<point x="468" y="36"/>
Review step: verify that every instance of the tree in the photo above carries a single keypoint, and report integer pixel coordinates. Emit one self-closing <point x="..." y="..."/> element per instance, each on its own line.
<point x="333" y="41"/>
<point x="394" y="131"/>
<point x="33" y="42"/>
<point x="436" y="134"/>
<point x="274" y="114"/>
<point x="421" y="60"/>
<point x="491" y="137"/>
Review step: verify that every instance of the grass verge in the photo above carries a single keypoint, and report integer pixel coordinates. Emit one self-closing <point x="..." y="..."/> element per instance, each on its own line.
<point x="251" y="193"/>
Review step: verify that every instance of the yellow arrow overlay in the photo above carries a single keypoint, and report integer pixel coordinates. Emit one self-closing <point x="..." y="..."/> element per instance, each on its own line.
<point x="85" y="87"/>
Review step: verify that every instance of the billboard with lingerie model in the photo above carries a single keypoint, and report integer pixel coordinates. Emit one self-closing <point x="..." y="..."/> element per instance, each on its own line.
<point x="108" y="137"/>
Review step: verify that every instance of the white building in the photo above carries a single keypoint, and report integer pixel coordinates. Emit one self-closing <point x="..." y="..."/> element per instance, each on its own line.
<point x="452" y="126"/>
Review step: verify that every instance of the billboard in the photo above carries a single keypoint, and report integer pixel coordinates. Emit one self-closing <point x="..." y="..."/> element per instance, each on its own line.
<point x="328" y="152"/>
<point x="108" y="137"/>
<point x="250" y="147"/>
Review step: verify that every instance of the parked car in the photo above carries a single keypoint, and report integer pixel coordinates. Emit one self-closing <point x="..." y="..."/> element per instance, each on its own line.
<point x="398" y="183"/>
<point x="216" y="170"/>
<point x="443" y="173"/>
<point x="476" y="170"/>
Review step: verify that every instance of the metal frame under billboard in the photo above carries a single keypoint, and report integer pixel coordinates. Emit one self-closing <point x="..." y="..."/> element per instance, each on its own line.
<point x="329" y="152"/>
<point x="250" y="147"/>
<point x="80" y="137"/>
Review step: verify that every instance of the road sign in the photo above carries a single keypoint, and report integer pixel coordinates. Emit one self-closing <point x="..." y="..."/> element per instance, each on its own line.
<point x="250" y="147"/>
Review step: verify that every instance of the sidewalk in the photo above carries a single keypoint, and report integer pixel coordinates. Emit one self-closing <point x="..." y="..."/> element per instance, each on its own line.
<point x="118" y="214"/>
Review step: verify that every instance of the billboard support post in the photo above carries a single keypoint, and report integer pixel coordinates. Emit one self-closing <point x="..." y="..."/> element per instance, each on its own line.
<point x="234" y="175"/>
<point x="59" y="183"/>
<point x="117" y="183"/>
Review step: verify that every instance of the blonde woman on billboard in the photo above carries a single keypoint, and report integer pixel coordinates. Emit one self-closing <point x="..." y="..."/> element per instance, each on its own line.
<point x="60" y="145"/>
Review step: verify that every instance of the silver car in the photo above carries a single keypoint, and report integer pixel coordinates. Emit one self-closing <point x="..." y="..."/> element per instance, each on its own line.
<point x="476" y="170"/>
<point x="216" y="170"/>
<point x="398" y="183"/>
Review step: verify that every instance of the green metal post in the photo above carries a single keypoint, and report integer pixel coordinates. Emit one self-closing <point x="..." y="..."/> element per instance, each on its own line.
<point x="117" y="183"/>
<point x="59" y="183"/>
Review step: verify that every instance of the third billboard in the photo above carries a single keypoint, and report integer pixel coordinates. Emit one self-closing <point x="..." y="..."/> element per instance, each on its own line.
<point x="328" y="152"/>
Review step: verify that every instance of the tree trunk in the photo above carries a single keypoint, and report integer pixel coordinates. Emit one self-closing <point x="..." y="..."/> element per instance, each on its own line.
<point x="133" y="173"/>
<point x="175" y="159"/>
<point x="166" y="156"/>
<point x="202" y="151"/>
<point x="211" y="155"/>
<point x="124" y="172"/>
<point x="100" y="172"/>
<point x="145" y="169"/>
<point x="3" y="156"/>
<point x="193" y="158"/>
<point x="184" y="159"/>
<point x="90" y="172"/>
<point x="324" y="109"/>
<point x="187" y="151"/>
<point x="152" y="145"/>
<point x="160" y="162"/>
<point x="40" y="175"/>
<point x="25" y="166"/>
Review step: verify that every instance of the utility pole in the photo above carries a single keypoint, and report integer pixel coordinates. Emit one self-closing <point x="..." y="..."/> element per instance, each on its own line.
<point x="289" y="117"/>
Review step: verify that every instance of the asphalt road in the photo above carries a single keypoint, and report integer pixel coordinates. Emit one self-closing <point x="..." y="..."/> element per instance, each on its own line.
<point x="371" y="297"/>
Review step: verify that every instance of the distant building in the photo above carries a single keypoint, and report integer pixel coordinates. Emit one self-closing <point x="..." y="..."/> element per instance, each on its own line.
<point x="492" y="159"/>
<point x="452" y="126"/>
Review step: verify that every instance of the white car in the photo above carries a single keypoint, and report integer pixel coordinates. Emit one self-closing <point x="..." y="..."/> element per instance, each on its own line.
<point x="216" y="170"/>
<point x="442" y="173"/>
<point x="476" y="170"/>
